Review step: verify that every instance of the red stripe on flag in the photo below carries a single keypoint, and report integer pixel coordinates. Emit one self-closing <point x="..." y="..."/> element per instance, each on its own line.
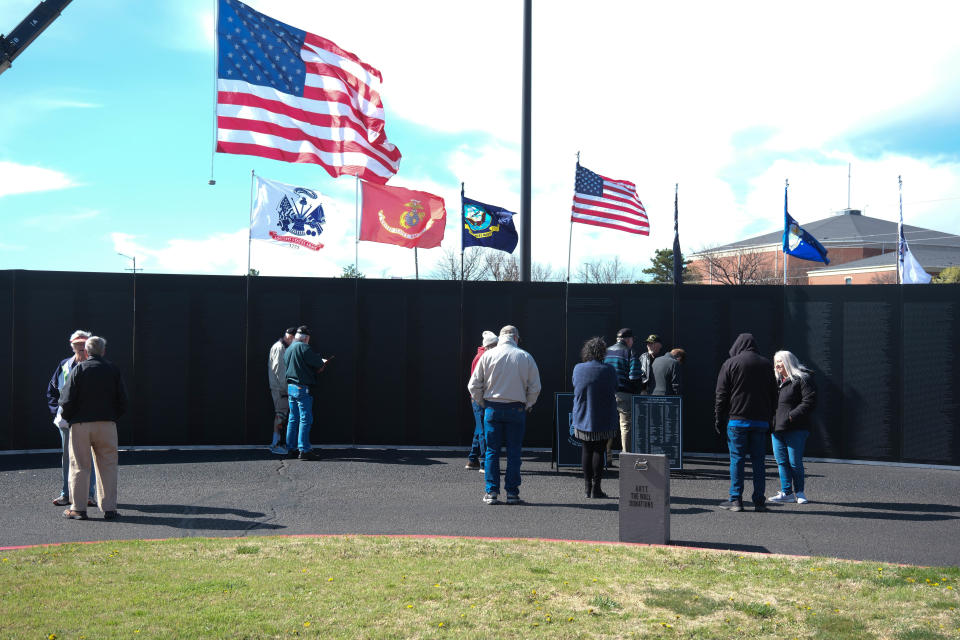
<point x="606" y="204"/>
<point x="597" y="223"/>
<point x="243" y="148"/>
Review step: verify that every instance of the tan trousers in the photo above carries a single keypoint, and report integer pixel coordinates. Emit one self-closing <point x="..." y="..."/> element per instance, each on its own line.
<point x="102" y="438"/>
<point x="624" y="403"/>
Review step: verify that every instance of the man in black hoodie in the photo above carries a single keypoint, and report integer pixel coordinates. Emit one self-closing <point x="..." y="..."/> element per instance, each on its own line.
<point x="745" y="401"/>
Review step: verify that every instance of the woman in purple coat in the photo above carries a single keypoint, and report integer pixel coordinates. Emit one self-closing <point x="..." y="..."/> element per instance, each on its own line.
<point x="594" y="418"/>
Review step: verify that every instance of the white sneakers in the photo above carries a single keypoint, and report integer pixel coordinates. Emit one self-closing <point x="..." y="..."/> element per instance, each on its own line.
<point x="782" y="497"/>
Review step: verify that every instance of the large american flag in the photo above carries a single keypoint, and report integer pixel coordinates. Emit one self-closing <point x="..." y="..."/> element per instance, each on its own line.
<point x="609" y="203"/>
<point x="286" y="94"/>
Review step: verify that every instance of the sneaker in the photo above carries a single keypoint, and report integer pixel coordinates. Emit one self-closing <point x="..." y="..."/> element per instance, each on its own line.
<point x="732" y="505"/>
<point x="760" y="507"/>
<point x="279" y="450"/>
<point x="310" y="455"/>
<point x="801" y="499"/>
<point x="491" y="498"/>
<point x="61" y="500"/>
<point x="513" y="499"/>
<point x="782" y="497"/>
<point x="70" y="514"/>
<point x="111" y="515"/>
<point x="472" y="464"/>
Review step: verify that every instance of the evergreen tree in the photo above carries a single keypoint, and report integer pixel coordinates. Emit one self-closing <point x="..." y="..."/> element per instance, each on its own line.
<point x="661" y="267"/>
<point x="350" y="271"/>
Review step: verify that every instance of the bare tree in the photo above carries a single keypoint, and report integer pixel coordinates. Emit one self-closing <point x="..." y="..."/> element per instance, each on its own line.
<point x="543" y="273"/>
<point x="501" y="266"/>
<point x="447" y="266"/>
<point x="604" y="272"/>
<point x="740" y="266"/>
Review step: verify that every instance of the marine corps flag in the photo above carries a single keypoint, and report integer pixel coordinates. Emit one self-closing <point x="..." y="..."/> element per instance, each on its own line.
<point x="393" y="215"/>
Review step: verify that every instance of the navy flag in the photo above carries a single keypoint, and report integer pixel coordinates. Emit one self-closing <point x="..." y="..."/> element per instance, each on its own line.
<point x="799" y="243"/>
<point x="486" y="225"/>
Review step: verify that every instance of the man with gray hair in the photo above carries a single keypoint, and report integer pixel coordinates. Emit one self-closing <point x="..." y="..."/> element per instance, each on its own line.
<point x="302" y="366"/>
<point x="77" y="340"/>
<point x="506" y="383"/>
<point x="92" y="401"/>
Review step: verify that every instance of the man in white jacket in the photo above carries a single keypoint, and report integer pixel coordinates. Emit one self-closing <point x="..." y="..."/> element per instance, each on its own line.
<point x="276" y="374"/>
<point x="506" y="384"/>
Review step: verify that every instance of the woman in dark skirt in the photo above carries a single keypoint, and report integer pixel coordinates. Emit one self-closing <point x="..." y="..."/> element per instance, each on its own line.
<point x="594" y="419"/>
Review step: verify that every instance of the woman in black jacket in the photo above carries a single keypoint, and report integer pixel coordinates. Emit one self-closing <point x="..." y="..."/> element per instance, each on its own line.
<point x="791" y="425"/>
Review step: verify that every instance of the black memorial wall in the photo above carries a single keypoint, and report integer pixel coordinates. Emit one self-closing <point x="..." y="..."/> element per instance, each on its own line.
<point x="193" y="351"/>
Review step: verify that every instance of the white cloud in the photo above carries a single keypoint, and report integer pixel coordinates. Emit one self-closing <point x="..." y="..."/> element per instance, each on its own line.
<point x="20" y="178"/>
<point x="224" y="253"/>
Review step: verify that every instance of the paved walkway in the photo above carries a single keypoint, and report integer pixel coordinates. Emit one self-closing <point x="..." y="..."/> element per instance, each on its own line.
<point x="883" y="513"/>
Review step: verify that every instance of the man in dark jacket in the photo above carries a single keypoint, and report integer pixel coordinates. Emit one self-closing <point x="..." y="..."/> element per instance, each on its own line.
<point x="746" y="398"/>
<point x="647" y="376"/>
<point x="666" y="373"/>
<point x="303" y="364"/>
<point x="624" y="361"/>
<point x="92" y="400"/>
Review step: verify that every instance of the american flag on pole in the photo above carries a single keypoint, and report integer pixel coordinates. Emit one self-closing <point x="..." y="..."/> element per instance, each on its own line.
<point x="604" y="202"/>
<point x="290" y="95"/>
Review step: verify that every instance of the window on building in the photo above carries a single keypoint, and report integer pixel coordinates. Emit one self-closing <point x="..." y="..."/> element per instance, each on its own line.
<point x="848" y="281"/>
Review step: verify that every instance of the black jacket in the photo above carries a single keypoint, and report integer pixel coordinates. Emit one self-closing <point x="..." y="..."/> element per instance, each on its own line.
<point x="94" y="392"/>
<point x="666" y="375"/>
<point x="795" y="403"/>
<point x="746" y="388"/>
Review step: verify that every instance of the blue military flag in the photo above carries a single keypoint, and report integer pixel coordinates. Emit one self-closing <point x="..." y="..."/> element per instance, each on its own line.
<point x="799" y="243"/>
<point x="486" y="225"/>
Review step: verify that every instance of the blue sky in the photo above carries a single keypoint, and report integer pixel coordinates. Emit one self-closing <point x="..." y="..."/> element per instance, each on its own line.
<point x="106" y="125"/>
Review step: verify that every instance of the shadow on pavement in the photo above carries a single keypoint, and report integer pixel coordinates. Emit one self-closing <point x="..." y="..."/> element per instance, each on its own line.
<point x="720" y="545"/>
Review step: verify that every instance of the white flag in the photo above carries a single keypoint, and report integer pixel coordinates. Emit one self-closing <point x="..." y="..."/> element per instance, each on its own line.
<point x="910" y="270"/>
<point x="289" y="214"/>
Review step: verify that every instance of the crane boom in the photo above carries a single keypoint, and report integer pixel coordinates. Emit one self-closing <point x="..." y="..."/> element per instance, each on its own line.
<point x="27" y="31"/>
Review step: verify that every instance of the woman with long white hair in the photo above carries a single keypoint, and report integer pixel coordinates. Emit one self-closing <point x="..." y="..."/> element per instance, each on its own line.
<point x="791" y="426"/>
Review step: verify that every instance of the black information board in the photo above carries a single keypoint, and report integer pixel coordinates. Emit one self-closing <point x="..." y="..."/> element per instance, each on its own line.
<point x="657" y="427"/>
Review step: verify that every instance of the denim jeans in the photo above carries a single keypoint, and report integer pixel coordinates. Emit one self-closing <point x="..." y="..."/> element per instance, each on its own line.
<point x="743" y="442"/>
<point x="788" y="450"/>
<point x="478" y="446"/>
<point x="65" y="489"/>
<point x="504" y="425"/>
<point x="301" y="417"/>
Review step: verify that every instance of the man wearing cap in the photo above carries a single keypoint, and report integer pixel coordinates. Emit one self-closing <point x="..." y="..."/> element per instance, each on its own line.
<point x="478" y="446"/>
<point x="277" y="377"/>
<point x="506" y="383"/>
<point x="623" y="359"/>
<point x="303" y="364"/>
<point x="647" y="377"/>
<point x="77" y="340"/>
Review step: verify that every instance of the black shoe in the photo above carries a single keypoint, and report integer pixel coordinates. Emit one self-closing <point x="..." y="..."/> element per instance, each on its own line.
<point x="111" y="515"/>
<point x="472" y="464"/>
<point x="598" y="493"/>
<point x="732" y="505"/>
<point x="292" y="454"/>
<point x="309" y="455"/>
<point x="760" y="506"/>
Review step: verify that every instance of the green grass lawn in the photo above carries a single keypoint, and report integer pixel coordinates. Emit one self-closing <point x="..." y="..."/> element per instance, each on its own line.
<point x="381" y="587"/>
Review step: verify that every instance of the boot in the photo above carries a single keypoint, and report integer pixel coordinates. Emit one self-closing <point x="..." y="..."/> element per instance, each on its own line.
<point x="588" y="486"/>
<point x="597" y="491"/>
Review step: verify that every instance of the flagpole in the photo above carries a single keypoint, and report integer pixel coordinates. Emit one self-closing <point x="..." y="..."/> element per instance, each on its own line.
<point x="460" y="363"/>
<point x="786" y="185"/>
<point x="250" y="222"/>
<point x="416" y="265"/>
<point x="246" y="311"/>
<point x="216" y="64"/>
<point x="677" y="260"/>
<point x="356" y="227"/>
<point x="566" y="287"/>
<point x="461" y="240"/>
<point x="900" y="234"/>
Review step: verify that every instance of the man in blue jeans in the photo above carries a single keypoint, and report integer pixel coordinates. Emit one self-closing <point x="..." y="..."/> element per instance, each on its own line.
<point x="506" y="383"/>
<point x="746" y="399"/>
<point x="303" y="365"/>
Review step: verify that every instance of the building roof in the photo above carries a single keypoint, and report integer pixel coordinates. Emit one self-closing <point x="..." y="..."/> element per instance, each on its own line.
<point x="931" y="258"/>
<point x="850" y="228"/>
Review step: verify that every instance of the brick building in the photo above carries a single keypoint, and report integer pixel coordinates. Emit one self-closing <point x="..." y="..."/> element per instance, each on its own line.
<point x="862" y="250"/>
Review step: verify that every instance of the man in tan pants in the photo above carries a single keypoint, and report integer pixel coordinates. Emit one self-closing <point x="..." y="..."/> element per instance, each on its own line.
<point x="92" y="400"/>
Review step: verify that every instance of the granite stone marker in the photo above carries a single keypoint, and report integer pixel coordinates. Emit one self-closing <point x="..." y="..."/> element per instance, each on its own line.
<point x="644" y="498"/>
